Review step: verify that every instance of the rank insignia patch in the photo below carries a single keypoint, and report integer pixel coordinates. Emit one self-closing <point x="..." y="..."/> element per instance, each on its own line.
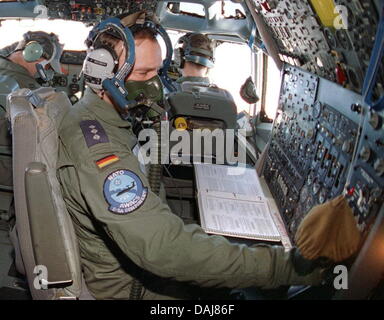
<point x="93" y="132"/>
<point x="102" y="163"/>
<point x="124" y="192"/>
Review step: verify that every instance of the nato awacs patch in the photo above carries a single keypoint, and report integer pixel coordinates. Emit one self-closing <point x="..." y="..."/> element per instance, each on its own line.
<point x="124" y="192"/>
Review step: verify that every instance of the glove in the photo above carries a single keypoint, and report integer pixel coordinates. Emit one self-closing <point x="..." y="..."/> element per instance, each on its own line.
<point x="328" y="231"/>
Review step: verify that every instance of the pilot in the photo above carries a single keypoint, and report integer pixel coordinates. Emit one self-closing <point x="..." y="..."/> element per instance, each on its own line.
<point x="194" y="57"/>
<point x="25" y="64"/>
<point x="125" y="232"/>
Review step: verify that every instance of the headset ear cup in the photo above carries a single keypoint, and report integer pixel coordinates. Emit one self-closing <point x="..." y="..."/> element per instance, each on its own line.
<point x="99" y="65"/>
<point x="179" y="58"/>
<point x="33" y="51"/>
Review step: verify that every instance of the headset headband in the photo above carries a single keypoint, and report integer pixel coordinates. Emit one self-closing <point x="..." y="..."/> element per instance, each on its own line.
<point x="163" y="72"/>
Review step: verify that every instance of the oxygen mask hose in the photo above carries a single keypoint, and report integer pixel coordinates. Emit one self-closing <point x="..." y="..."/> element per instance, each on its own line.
<point x="154" y="178"/>
<point x="155" y="168"/>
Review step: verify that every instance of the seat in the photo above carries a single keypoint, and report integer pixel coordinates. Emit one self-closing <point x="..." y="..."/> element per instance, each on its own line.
<point x="6" y="196"/>
<point x="44" y="237"/>
<point x="207" y="108"/>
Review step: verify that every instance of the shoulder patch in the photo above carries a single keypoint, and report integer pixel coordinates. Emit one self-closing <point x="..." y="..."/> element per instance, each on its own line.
<point x="93" y="132"/>
<point x="124" y="192"/>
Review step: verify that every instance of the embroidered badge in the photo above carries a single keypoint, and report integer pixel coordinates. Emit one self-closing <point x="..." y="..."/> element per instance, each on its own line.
<point x="124" y="192"/>
<point x="93" y="132"/>
<point x="102" y="163"/>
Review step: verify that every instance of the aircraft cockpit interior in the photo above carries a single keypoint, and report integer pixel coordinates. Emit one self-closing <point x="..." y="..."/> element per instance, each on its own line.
<point x="293" y="91"/>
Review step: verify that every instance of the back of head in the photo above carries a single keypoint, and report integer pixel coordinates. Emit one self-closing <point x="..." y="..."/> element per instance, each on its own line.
<point x="49" y="43"/>
<point x="41" y="46"/>
<point x="196" y="48"/>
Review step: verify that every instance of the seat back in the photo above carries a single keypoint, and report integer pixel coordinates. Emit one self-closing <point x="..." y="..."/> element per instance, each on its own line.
<point x="202" y="106"/>
<point x="45" y="234"/>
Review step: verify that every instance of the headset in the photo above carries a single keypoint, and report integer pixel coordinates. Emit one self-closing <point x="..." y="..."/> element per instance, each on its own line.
<point x="41" y="45"/>
<point x="101" y="70"/>
<point x="188" y="53"/>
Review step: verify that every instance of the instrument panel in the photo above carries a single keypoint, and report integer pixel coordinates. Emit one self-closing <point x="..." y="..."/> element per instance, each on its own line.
<point x="324" y="143"/>
<point x="332" y="39"/>
<point x="95" y="11"/>
<point x="71" y="80"/>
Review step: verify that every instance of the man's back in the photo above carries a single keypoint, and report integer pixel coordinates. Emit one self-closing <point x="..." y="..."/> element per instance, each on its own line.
<point x="18" y="73"/>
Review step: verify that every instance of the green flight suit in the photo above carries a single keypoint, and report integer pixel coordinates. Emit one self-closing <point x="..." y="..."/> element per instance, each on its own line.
<point x="20" y="78"/>
<point x="178" y="82"/>
<point x="193" y="79"/>
<point x="118" y="239"/>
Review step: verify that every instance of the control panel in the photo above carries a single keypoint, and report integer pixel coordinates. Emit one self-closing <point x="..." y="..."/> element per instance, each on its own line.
<point x="97" y="10"/>
<point x="365" y="185"/>
<point x="330" y="38"/>
<point x="324" y="143"/>
<point x="70" y="81"/>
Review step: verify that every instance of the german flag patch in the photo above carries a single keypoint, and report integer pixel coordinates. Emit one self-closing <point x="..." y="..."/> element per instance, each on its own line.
<point x="104" y="162"/>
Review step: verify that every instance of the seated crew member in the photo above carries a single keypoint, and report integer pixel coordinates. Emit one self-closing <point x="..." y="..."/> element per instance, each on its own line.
<point x="194" y="58"/>
<point x="25" y="64"/>
<point x="125" y="231"/>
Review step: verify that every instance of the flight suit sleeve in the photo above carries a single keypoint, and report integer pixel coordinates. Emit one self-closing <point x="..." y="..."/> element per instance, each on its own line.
<point x="119" y="198"/>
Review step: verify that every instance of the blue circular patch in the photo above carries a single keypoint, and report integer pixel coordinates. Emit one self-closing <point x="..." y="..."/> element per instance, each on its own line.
<point x="124" y="191"/>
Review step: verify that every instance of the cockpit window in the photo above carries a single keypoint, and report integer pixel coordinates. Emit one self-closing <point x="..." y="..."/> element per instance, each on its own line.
<point x="229" y="10"/>
<point x="223" y="9"/>
<point x="233" y="65"/>
<point x="72" y="34"/>
<point x="185" y="8"/>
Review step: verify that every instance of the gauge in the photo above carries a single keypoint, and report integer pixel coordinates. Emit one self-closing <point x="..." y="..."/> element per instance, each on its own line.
<point x="317" y="109"/>
<point x="379" y="166"/>
<point x="310" y="179"/>
<point x="375" y="120"/>
<point x="347" y="146"/>
<point x="316" y="187"/>
<point x="331" y="40"/>
<point x="366" y="154"/>
<point x="310" y="134"/>
<point x="304" y="194"/>
<point x="322" y="196"/>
